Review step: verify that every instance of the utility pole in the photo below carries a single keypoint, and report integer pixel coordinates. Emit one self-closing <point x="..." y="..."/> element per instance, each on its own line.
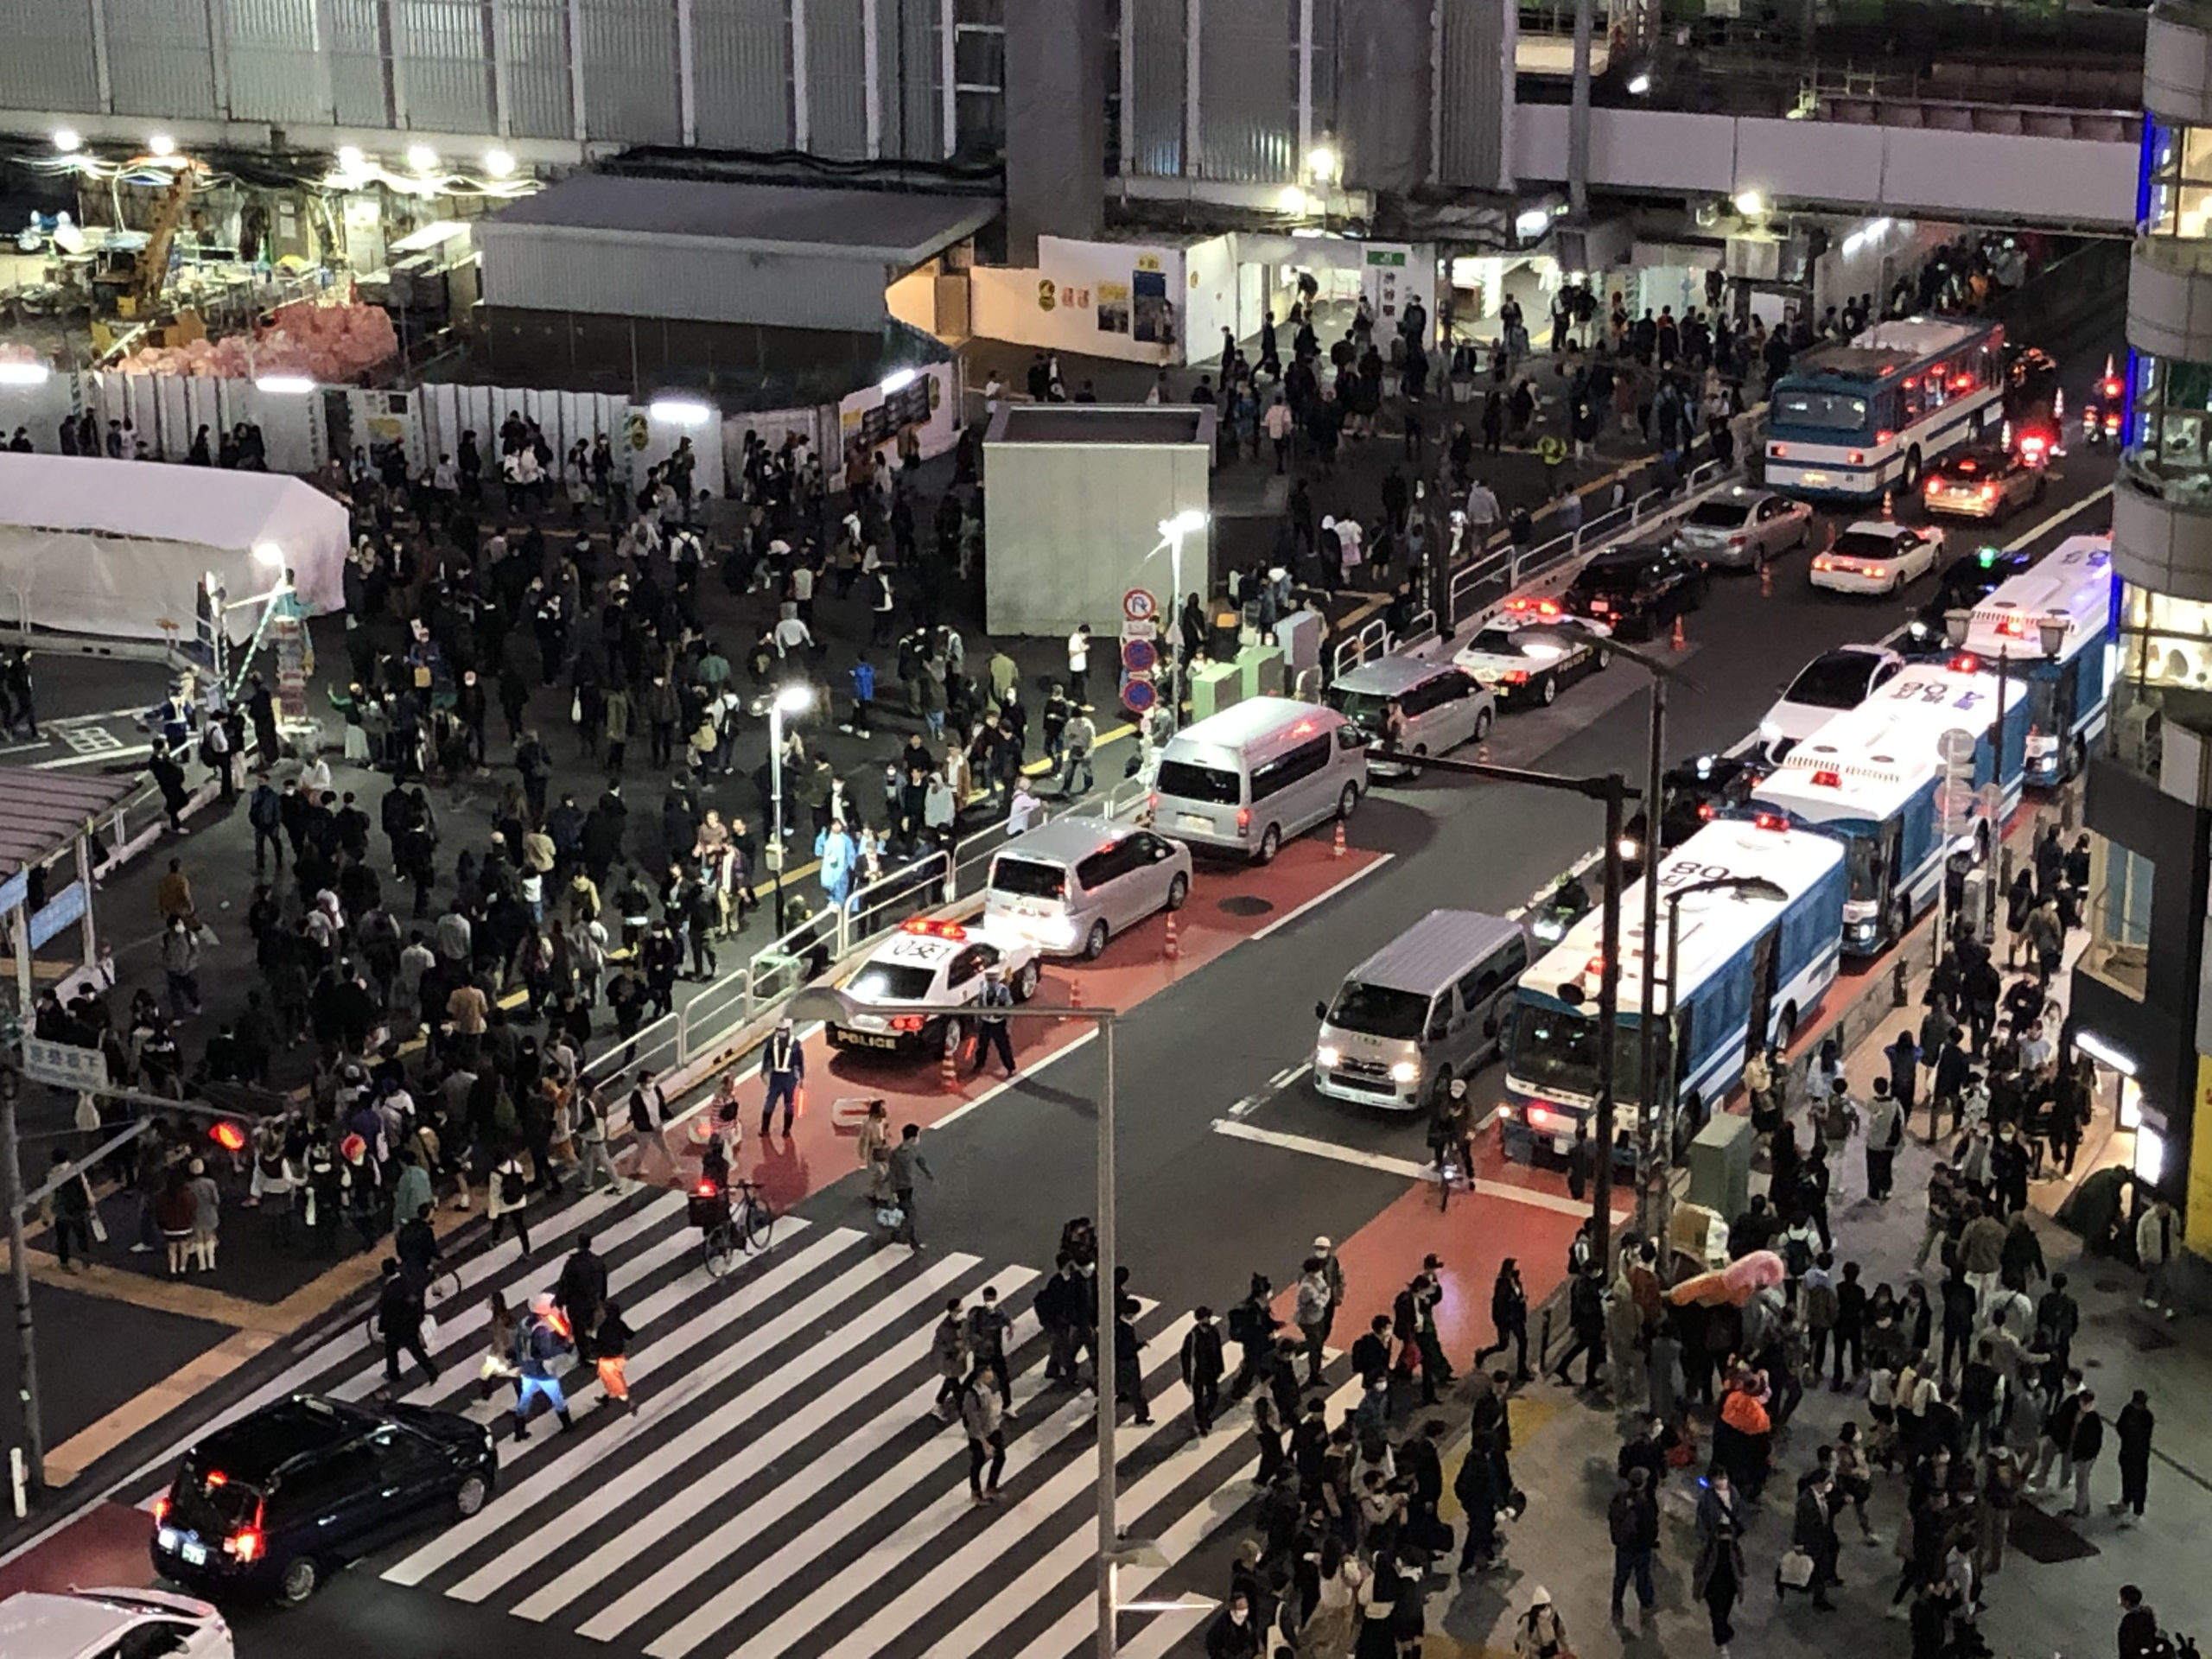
<point x="1653" y="1159"/>
<point x="1609" y="1025"/>
<point x="19" y="1263"/>
<point x="1578" y="116"/>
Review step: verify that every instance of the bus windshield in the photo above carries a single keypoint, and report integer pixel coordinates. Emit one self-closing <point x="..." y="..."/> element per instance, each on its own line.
<point x="1824" y="412"/>
<point x="1552" y="1049"/>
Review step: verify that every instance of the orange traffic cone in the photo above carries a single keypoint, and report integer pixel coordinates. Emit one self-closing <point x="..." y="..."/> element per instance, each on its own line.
<point x="1170" y="947"/>
<point x="1483" y="754"/>
<point x="1766" y="580"/>
<point x="1336" y="850"/>
<point x="1678" y="642"/>
<point x="949" y="1076"/>
<point x="1075" y="991"/>
<point x="1889" y="505"/>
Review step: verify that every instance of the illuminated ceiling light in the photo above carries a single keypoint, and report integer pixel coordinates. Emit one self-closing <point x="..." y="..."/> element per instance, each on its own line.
<point x="680" y="412"/>
<point x="350" y="159"/>
<point x="162" y="145"/>
<point x="291" y="384"/>
<point x="1321" y="163"/>
<point x="499" y="164"/>
<point x="1639" y="84"/>
<point x="422" y="157"/>
<point x="1533" y="223"/>
<point x="68" y="140"/>
<point x="1749" y="203"/>
<point x="897" y="381"/>
<point x="24" y="374"/>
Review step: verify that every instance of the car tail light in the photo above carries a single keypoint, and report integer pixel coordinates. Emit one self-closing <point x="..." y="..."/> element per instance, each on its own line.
<point x="1515" y="677"/>
<point x="1934" y="486"/>
<point x="1964" y="662"/>
<point x="245" y="1544"/>
<point x="1823" y="563"/>
<point x="1738" y="540"/>
<point x="1541" y="1117"/>
<point x="161" y="1509"/>
<point x="1989" y="491"/>
<point x="705" y="1189"/>
<point x="1770" y="821"/>
<point x="1878" y="571"/>
<point x="1777" y="450"/>
<point x="1244" y="819"/>
<point x="907" y="1022"/>
<point x="1884" y="437"/>
<point x="1706" y="812"/>
<point x="1858" y="457"/>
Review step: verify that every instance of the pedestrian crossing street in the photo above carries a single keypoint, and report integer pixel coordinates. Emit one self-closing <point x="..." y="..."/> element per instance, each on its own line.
<point x="783" y="1488"/>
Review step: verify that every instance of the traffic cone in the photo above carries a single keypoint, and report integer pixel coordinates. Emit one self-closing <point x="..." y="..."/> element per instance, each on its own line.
<point x="1075" y="991"/>
<point x="1889" y="506"/>
<point x="1482" y="754"/>
<point x="949" y="1076"/>
<point x="1766" y="580"/>
<point x="1170" y="947"/>
<point x="1678" y="642"/>
<point x="1337" y="849"/>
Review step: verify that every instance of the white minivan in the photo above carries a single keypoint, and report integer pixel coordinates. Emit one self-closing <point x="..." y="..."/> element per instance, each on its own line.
<point x="1422" y="1010"/>
<point x="1241" y="780"/>
<point x="1072" y="884"/>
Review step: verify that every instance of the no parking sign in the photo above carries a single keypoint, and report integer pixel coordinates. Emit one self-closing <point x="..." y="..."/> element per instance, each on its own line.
<point x="1139" y="649"/>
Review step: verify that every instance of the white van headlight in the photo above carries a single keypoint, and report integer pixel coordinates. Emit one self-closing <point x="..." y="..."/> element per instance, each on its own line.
<point x="1326" y="1058"/>
<point x="1406" y="1071"/>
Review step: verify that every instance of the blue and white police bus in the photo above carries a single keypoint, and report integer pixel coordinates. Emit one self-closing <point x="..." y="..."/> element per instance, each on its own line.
<point x="1850" y="420"/>
<point x="1959" y="694"/>
<point x="2065" y="600"/>
<point x="1751" y="971"/>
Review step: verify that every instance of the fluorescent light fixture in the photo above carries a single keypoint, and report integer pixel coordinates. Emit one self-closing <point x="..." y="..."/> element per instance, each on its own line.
<point x="1291" y="200"/>
<point x="1853" y="243"/>
<point x="24" y="374"/>
<point x="795" y="699"/>
<point x="268" y="553"/>
<point x="2150" y="1161"/>
<point x="1321" y="163"/>
<point x="1639" y="83"/>
<point x="287" y="384"/>
<point x="1749" y="203"/>
<point x="162" y="145"/>
<point x="499" y="163"/>
<point x="1533" y="223"/>
<point x="67" y="140"/>
<point x="2097" y="1049"/>
<point x="897" y="381"/>
<point x="350" y="159"/>
<point x="1189" y="522"/>
<point x="680" y="411"/>
<point x="1880" y="227"/>
<point x="422" y="157"/>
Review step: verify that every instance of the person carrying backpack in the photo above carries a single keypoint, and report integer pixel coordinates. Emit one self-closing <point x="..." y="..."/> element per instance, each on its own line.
<point x="504" y="1194"/>
<point x="1251" y="1326"/>
<point x="541" y="1344"/>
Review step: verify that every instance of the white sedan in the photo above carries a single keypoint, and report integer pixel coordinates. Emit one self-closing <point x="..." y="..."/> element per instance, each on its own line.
<point x="1832" y="682"/>
<point x="106" y="1623"/>
<point x="1876" y="555"/>
<point x="941" y="964"/>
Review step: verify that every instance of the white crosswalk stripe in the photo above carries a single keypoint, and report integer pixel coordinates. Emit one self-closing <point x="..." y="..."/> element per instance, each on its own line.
<point x="783" y="1454"/>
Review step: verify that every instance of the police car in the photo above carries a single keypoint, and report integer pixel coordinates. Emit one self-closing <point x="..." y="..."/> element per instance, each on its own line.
<point x="1532" y="648"/>
<point x="941" y="964"/>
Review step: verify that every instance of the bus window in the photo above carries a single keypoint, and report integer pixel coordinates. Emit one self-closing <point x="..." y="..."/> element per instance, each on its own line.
<point x="1908" y="396"/>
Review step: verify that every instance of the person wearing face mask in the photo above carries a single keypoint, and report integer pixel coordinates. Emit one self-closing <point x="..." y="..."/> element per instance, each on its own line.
<point x="1451" y="1135"/>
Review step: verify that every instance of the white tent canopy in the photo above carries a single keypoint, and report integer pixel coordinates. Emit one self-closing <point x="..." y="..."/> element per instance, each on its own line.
<point x="116" y="548"/>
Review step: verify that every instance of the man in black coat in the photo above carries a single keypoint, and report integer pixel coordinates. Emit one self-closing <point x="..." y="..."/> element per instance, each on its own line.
<point x="581" y="1291"/>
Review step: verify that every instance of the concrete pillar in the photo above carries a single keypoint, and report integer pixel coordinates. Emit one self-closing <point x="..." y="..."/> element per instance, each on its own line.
<point x="1055" y="122"/>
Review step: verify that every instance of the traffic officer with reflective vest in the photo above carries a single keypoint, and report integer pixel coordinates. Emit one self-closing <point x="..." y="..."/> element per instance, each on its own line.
<point x="990" y="1029"/>
<point x="783" y="1063"/>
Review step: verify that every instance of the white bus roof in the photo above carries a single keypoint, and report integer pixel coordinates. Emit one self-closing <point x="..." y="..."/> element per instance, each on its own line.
<point x="1865" y="763"/>
<point x="1714" y="925"/>
<point x="1932" y="698"/>
<point x="1919" y="336"/>
<point x="2074" y="580"/>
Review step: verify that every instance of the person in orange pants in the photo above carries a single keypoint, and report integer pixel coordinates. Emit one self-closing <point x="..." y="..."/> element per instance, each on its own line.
<point x="611" y="1344"/>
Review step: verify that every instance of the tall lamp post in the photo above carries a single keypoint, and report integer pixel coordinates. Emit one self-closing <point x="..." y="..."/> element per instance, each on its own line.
<point x="1174" y="532"/>
<point x="793" y="699"/>
<point x="1653" y="1199"/>
<point x="828" y="1003"/>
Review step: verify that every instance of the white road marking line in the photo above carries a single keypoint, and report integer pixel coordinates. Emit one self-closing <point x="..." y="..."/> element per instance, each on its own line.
<point x="131" y="754"/>
<point x="1285" y="1075"/>
<point x="1091" y="1034"/>
<point x="1386" y="1165"/>
<point x="1359" y="875"/>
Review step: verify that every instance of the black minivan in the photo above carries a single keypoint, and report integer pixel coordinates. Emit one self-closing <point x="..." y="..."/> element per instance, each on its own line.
<point x="274" y="1503"/>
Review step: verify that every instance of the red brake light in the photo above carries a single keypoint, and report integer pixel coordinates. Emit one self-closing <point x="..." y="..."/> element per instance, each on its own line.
<point x="1777" y="450"/>
<point x="907" y="1022"/>
<point x="230" y="1136"/>
<point x="706" y="1188"/>
<point x="245" y="1543"/>
<point x="1770" y="820"/>
<point x="214" y="1479"/>
<point x="1858" y="457"/>
<point x="1962" y="383"/>
<point x="1989" y="491"/>
<point x="1541" y="1117"/>
<point x="1964" y="662"/>
<point x="1244" y="819"/>
<point x="2112" y="388"/>
<point x="1878" y="571"/>
<point x="1910" y="381"/>
<point x="1706" y="812"/>
<point x="1934" y="486"/>
<point x="1884" y="437"/>
<point x="161" y="1509"/>
<point x="1595" y="965"/>
<point x="1515" y="677"/>
<point x="1738" y="540"/>
<point x="1827" y="780"/>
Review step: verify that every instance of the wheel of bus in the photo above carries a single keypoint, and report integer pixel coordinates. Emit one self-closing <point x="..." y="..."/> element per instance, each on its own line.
<point x="1270" y="844"/>
<point x="1547" y="685"/>
<point x="1347" y="801"/>
<point x="1094" y="942"/>
<point x="1910" y="480"/>
<point x="1025" y="982"/>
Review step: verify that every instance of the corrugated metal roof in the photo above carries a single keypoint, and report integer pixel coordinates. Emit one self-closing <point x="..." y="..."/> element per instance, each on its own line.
<point x="893" y="226"/>
<point x="42" y="812"/>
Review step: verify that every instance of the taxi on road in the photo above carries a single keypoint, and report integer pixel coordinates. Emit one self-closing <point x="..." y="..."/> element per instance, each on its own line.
<point x="942" y="965"/>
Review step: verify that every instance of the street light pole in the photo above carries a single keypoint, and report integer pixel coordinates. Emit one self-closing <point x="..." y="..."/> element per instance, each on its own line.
<point x="792" y="699"/>
<point x="1171" y="534"/>
<point x="1608" y="1017"/>
<point x="1652" y="1160"/>
<point x="19" y="1263"/>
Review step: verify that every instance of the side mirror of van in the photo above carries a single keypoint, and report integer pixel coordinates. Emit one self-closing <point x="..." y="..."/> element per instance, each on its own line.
<point x="1320" y="1011"/>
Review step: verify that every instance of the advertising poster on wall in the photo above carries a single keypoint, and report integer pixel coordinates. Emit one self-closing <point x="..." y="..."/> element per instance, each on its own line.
<point x="1155" y="311"/>
<point x="1385" y="278"/>
<point x="1113" y="308"/>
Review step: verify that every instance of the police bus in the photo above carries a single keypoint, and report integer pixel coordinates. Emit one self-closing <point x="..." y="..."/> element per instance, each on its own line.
<point x="1752" y="967"/>
<point x="2066" y="599"/>
<point x="1850" y="420"/>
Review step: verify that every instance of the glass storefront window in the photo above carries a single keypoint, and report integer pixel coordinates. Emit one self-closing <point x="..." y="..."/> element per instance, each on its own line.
<point x="2169" y="439"/>
<point x="2121" y="883"/>
<point x="2178" y="197"/>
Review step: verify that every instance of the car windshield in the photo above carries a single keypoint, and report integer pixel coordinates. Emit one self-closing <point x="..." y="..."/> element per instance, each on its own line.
<point x="1722" y="515"/>
<point x="1494" y="642"/>
<point x="892" y="982"/>
<point x="1379" y="1011"/>
<point x="1826" y="411"/>
<point x="1196" y="783"/>
<point x="1026" y="878"/>
<point x="1364" y="708"/>
<point x="1555" y="1049"/>
<point x="1865" y="544"/>
<point x="207" y="1502"/>
<point x="1831" y="682"/>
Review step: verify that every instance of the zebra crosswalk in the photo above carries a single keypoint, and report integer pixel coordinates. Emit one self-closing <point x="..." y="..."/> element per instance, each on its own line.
<point x="783" y="1487"/>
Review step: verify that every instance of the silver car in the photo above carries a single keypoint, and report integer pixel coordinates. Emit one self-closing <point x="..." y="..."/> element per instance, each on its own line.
<point x="1073" y="884"/>
<point x="1744" y="527"/>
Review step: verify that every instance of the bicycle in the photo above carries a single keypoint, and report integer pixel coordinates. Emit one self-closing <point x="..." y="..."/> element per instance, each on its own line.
<point x="745" y="1223"/>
